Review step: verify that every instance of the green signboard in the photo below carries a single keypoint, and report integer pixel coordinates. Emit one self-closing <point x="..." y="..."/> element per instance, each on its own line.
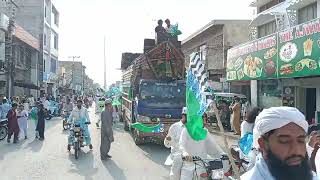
<point x="299" y="50"/>
<point x="254" y="60"/>
<point x="294" y="52"/>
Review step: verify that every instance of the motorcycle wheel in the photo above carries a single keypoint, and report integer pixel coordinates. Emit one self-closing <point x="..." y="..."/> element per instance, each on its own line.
<point x="76" y="150"/>
<point x="3" y="132"/>
<point x="64" y="125"/>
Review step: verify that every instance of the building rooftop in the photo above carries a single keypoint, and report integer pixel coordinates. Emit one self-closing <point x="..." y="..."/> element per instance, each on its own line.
<point x="213" y="23"/>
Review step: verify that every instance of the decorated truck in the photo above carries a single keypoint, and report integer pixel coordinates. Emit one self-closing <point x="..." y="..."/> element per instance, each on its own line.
<point x="153" y="90"/>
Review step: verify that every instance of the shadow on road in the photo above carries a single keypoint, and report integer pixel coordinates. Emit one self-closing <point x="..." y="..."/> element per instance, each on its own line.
<point x="84" y="166"/>
<point x="114" y="170"/>
<point x="35" y="145"/>
<point x="118" y="127"/>
<point x="156" y="153"/>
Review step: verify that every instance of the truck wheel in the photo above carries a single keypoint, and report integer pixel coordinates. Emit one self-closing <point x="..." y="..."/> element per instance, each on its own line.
<point x="126" y="126"/>
<point x="136" y="138"/>
<point x="76" y="149"/>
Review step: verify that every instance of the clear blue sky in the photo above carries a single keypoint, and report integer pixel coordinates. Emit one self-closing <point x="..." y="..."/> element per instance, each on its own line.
<point x="125" y="23"/>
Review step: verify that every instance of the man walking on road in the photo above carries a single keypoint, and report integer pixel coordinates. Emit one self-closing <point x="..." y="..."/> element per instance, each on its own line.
<point x="106" y="130"/>
<point x="13" y="126"/>
<point x="172" y="141"/>
<point x="41" y="122"/>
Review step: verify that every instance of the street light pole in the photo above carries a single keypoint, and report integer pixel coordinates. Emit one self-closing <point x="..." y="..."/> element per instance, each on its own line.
<point x="72" y="76"/>
<point x="105" y="63"/>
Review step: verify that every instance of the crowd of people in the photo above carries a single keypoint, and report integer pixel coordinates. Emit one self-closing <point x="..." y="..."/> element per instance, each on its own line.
<point x="281" y="146"/>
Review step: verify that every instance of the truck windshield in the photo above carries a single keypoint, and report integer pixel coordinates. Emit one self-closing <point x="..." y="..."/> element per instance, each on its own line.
<point x="160" y="95"/>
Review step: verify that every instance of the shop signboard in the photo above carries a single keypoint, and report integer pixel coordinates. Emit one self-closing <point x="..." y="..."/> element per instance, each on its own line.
<point x="294" y="52"/>
<point x="253" y="60"/>
<point x="299" y="50"/>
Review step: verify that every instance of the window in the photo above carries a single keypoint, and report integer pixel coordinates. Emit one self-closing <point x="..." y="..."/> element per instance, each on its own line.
<point x="55" y="16"/>
<point x="45" y="40"/>
<point x="307" y="13"/>
<point x="44" y="65"/>
<point x="203" y="52"/>
<point x="270" y="5"/>
<point x="55" y="41"/>
<point x="53" y="66"/>
<point x="45" y="11"/>
<point x="267" y="29"/>
<point x="269" y="93"/>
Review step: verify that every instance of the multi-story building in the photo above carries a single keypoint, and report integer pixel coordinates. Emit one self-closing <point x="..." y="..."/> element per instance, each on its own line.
<point x="41" y="19"/>
<point x="73" y="73"/>
<point x="19" y="70"/>
<point x="213" y="41"/>
<point x="282" y="60"/>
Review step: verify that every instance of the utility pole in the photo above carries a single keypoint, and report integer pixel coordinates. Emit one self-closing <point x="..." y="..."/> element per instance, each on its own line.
<point x="10" y="63"/>
<point x="72" y="76"/>
<point x="105" y="63"/>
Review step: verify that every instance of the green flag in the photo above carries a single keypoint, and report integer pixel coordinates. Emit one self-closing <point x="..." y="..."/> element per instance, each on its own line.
<point x="196" y="98"/>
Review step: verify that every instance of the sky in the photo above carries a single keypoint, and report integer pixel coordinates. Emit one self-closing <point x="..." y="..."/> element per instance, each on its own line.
<point x="125" y="24"/>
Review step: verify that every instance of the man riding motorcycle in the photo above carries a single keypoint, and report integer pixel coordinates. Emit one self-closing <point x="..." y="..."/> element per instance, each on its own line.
<point x="79" y="115"/>
<point x="191" y="148"/>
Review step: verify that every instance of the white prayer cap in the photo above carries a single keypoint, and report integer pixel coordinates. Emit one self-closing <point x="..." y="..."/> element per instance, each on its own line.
<point x="108" y="101"/>
<point x="184" y="110"/>
<point x="275" y="118"/>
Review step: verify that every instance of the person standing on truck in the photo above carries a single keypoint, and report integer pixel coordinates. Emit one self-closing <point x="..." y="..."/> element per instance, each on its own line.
<point x="172" y="141"/>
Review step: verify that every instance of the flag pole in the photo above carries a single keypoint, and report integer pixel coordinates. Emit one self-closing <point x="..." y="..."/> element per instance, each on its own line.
<point x="226" y="144"/>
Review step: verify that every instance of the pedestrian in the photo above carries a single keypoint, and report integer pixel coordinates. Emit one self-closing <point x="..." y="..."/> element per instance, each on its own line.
<point x="23" y="120"/>
<point x="41" y="122"/>
<point x="5" y="108"/>
<point x="106" y="130"/>
<point x="248" y="124"/>
<point x="280" y="135"/>
<point x="34" y="117"/>
<point x="13" y="127"/>
<point x="172" y="141"/>
<point x="236" y="109"/>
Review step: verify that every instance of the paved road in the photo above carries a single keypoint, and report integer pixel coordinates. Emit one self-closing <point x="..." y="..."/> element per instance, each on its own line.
<point x="49" y="160"/>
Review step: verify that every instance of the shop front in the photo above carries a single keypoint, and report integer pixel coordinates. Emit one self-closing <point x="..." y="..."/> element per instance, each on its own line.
<point x="285" y="66"/>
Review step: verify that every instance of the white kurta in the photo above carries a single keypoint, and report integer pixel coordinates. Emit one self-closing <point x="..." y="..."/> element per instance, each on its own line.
<point x="260" y="171"/>
<point x="207" y="148"/>
<point x="23" y="121"/>
<point x="175" y="158"/>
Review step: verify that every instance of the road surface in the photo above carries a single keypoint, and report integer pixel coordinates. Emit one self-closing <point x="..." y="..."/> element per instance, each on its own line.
<point x="49" y="159"/>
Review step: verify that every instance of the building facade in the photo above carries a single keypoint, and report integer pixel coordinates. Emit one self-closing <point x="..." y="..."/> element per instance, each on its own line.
<point x="282" y="59"/>
<point x="74" y="76"/>
<point x="41" y="19"/>
<point x="19" y="72"/>
<point x="213" y="41"/>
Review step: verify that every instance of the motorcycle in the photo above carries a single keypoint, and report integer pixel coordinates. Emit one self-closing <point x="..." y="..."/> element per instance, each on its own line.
<point x="214" y="168"/>
<point x="53" y="111"/>
<point x="243" y="163"/>
<point x="77" y="137"/>
<point x="3" y="128"/>
<point x="65" y="124"/>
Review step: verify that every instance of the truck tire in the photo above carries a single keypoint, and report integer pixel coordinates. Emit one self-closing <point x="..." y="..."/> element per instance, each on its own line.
<point x="137" y="140"/>
<point x="121" y="117"/>
<point x="126" y="126"/>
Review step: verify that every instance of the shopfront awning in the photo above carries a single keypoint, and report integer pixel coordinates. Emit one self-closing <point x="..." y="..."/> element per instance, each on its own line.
<point x="26" y="85"/>
<point x="298" y="4"/>
<point x="269" y="14"/>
